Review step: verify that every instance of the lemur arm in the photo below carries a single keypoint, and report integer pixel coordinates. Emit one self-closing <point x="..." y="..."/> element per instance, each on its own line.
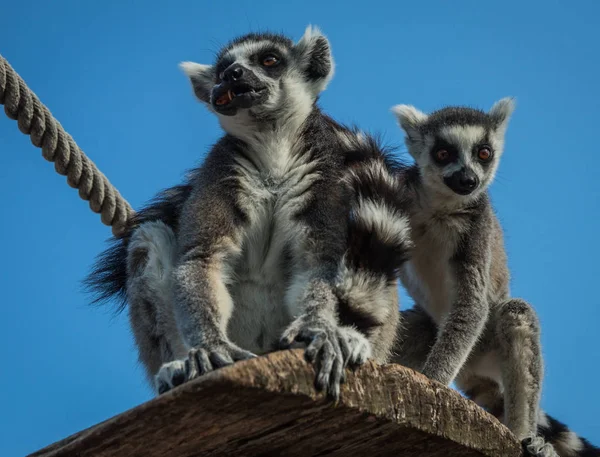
<point x="316" y="323"/>
<point x="469" y="313"/>
<point x="324" y="219"/>
<point x="209" y="236"/>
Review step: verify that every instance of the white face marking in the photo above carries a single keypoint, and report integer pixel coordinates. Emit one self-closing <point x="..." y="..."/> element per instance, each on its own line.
<point x="289" y="96"/>
<point x="465" y="139"/>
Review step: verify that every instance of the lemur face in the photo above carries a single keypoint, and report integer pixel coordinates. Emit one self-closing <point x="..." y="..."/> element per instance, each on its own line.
<point x="264" y="75"/>
<point x="457" y="149"/>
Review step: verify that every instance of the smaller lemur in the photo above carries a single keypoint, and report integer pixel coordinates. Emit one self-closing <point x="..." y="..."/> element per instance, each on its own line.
<point x="290" y="231"/>
<point x="458" y="273"/>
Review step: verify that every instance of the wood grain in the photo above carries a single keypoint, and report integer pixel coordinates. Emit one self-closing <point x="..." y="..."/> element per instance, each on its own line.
<point x="268" y="407"/>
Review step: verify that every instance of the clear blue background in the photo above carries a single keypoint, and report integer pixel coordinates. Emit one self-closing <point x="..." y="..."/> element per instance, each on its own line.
<point x="108" y="71"/>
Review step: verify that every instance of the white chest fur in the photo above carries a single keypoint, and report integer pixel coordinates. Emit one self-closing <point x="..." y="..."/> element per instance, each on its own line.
<point x="428" y="276"/>
<point x="273" y="188"/>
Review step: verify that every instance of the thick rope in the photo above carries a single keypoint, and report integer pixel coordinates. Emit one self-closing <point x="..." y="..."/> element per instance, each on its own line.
<point x="35" y="119"/>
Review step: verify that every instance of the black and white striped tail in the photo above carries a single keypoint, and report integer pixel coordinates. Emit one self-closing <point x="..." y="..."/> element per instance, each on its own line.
<point x="108" y="278"/>
<point x="566" y="443"/>
<point x="379" y="232"/>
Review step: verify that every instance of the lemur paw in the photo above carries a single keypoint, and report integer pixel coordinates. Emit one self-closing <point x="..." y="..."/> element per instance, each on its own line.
<point x="198" y="362"/>
<point x="536" y="447"/>
<point x="170" y="375"/>
<point x="330" y="349"/>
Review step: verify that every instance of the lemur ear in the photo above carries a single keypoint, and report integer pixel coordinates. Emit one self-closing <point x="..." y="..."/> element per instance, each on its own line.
<point x="410" y="119"/>
<point x="501" y="112"/>
<point x="201" y="77"/>
<point x="316" y="62"/>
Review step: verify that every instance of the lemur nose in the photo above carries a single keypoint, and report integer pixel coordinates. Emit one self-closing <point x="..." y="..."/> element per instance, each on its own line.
<point x="468" y="182"/>
<point x="233" y="73"/>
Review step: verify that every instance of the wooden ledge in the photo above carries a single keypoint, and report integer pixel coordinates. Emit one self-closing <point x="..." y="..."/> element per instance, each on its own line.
<point x="268" y="407"/>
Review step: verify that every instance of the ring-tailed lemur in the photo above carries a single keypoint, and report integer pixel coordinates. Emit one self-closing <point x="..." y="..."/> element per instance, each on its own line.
<point x="290" y="231"/>
<point x="458" y="270"/>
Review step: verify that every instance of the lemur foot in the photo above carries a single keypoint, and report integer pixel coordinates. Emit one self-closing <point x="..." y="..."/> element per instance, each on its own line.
<point x="330" y="349"/>
<point x="198" y="362"/>
<point x="170" y="375"/>
<point x="536" y="446"/>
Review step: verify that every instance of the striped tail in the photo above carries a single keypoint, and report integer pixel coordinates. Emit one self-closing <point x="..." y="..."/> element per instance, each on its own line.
<point x="378" y="240"/>
<point x="566" y="443"/>
<point x="108" y="278"/>
<point x="379" y="229"/>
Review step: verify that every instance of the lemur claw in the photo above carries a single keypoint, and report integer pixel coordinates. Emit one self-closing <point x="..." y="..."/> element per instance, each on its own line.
<point x="330" y="349"/>
<point x="198" y="362"/>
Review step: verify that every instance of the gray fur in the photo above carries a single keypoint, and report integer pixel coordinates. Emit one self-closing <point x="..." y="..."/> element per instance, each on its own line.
<point x="268" y="243"/>
<point x="149" y="267"/>
<point x="242" y="240"/>
<point x="418" y="334"/>
<point x="464" y="326"/>
<point x="457" y="273"/>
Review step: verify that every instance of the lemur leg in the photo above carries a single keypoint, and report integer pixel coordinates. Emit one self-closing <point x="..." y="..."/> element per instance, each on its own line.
<point x="150" y="258"/>
<point x="517" y="333"/>
<point x="483" y="391"/>
<point x="416" y="335"/>
<point x="418" y="332"/>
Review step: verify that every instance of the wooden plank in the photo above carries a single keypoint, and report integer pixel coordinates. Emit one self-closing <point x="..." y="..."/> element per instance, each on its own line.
<point x="268" y="407"/>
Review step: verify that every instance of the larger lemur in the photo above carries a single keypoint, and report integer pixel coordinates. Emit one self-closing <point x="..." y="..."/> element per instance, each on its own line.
<point x="291" y="229"/>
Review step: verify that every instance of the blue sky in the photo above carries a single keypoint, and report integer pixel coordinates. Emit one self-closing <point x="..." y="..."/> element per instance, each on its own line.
<point x="108" y="71"/>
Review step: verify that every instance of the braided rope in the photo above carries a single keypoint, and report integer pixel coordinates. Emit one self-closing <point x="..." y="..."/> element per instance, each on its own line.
<point x="34" y="119"/>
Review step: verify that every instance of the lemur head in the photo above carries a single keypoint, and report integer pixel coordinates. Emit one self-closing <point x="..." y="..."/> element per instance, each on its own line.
<point x="457" y="149"/>
<point x="263" y="78"/>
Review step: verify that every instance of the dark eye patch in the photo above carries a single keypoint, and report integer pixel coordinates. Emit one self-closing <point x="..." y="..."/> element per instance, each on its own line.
<point x="442" y="144"/>
<point x="484" y="143"/>
<point x="269" y="50"/>
<point x="477" y="148"/>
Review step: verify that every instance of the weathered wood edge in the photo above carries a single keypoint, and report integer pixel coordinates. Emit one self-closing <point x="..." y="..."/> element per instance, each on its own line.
<point x="388" y="392"/>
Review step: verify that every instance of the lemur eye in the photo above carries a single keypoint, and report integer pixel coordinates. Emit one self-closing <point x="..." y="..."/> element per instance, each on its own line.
<point x="442" y="155"/>
<point x="270" y="60"/>
<point x="484" y="154"/>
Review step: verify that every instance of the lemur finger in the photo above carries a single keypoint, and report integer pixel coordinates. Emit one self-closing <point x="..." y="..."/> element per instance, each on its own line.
<point x="315" y="341"/>
<point x="337" y="371"/>
<point x="198" y="363"/>
<point x="289" y="336"/>
<point x="241" y="354"/>
<point x="220" y="358"/>
<point x="325" y="359"/>
<point x="346" y="348"/>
